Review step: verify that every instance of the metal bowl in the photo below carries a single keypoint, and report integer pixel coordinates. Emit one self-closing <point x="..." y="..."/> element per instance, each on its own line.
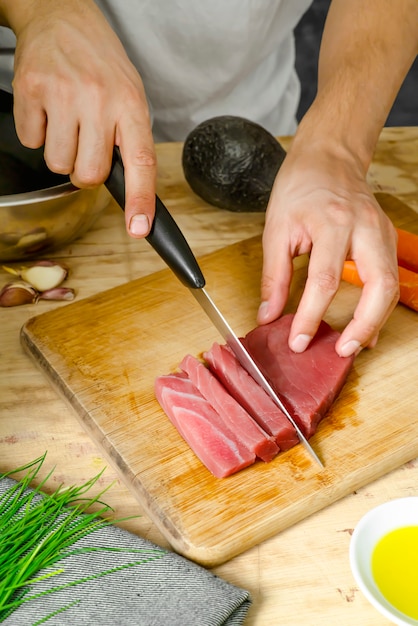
<point x="39" y="211"/>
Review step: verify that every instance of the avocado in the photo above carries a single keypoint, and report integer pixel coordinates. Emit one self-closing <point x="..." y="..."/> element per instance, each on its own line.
<point x="231" y="162"/>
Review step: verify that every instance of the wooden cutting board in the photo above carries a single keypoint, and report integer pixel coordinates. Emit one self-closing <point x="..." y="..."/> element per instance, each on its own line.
<point x="104" y="353"/>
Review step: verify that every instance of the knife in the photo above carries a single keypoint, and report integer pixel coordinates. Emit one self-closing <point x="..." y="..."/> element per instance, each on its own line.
<point x="169" y="242"/>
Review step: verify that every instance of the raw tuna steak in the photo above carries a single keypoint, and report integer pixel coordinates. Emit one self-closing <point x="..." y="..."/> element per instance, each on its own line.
<point x="227" y="418"/>
<point x="250" y="395"/>
<point x="201" y="426"/>
<point x="307" y="383"/>
<point x="235" y="417"/>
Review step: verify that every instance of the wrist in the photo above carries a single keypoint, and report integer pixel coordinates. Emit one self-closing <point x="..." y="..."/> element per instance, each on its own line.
<point x="337" y="133"/>
<point x="15" y="14"/>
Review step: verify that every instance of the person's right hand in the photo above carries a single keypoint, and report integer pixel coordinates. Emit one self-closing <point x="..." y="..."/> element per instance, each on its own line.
<point x="77" y="93"/>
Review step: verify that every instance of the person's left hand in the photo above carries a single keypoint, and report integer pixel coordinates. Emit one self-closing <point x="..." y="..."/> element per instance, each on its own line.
<point x="321" y="204"/>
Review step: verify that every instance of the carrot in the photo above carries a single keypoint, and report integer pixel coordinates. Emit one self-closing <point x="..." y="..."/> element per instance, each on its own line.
<point x="407" y="250"/>
<point x="408" y="283"/>
<point x="350" y="274"/>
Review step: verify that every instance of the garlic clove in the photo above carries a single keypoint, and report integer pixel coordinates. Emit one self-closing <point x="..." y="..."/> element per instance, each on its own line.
<point x="57" y="293"/>
<point x="42" y="275"/>
<point x="17" y="293"/>
<point x="32" y="238"/>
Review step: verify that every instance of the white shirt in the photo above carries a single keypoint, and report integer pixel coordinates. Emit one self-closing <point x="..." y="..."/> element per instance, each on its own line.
<point x="201" y="58"/>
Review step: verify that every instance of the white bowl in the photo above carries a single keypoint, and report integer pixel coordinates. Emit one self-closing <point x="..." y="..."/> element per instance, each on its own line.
<point x="372" y="527"/>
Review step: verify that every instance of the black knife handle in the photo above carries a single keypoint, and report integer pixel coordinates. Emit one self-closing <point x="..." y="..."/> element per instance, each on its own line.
<point x="165" y="236"/>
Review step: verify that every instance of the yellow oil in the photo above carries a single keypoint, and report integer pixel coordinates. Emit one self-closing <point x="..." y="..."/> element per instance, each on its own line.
<point x="395" y="569"/>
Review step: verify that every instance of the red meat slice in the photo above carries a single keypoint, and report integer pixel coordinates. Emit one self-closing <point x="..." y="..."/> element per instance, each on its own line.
<point x="309" y="382"/>
<point x="201" y="426"/>
<point x="250" y="395"/>
<point x="235" y="417"/>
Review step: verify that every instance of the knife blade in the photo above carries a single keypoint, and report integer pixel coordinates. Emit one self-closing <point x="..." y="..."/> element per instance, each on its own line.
<point x="246" y="360"/>
<point x="169" y="242"/>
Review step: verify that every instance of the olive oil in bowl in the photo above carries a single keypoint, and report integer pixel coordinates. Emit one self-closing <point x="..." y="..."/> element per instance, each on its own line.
<point x="395" y="569"/>
<point x="384" y="559"/>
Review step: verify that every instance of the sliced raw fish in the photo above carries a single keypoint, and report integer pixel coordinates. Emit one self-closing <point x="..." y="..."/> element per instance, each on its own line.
<point x="233" y="414"/>
<point x="250" y="395"/>
<point x="307" y="382"/>
<point x="201" y="426"/>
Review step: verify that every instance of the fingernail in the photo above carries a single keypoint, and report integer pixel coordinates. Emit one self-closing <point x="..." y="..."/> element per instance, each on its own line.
<point x="263" y="311"/>
<point x="139" y="225"/>
<point x="351" y="347"/>
<point x="300" y="343"/>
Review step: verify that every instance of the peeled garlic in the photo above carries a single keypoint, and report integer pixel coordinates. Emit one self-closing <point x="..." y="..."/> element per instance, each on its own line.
<point x="17" y="293"/>
<point x="43" y="275"/>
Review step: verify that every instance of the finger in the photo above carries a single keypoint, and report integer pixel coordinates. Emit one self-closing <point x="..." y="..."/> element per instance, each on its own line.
<point x="379" y="297"/>
<point x="276" y="276"/>
<point x="61" y="141"/>
<point x="324" y="273"/>
<point x="140" y="164"/>
<point x="378" y="269"/>
<point x="30" y="121"/>
<point x="93" y="158"/>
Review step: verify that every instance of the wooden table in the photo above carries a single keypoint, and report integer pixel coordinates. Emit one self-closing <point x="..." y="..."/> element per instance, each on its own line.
<point x="301" y="576"/>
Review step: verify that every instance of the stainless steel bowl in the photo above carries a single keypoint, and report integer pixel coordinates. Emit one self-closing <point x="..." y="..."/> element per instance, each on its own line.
<point x="38" y="222"/>
<point x="39" y="211"/>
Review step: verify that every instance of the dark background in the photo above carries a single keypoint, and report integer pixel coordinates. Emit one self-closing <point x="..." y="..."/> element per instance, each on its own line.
<point x="308" y="38"/>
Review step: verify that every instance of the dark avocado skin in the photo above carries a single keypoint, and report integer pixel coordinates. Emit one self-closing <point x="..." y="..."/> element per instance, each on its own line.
<point x="231" y="163"/>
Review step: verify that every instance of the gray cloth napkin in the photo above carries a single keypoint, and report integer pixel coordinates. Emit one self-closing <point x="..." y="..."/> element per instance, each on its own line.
<point x="167" y="590"/>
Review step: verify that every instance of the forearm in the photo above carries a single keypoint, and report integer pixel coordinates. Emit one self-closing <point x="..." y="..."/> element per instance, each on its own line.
<point x="367" y="49"/>
<point x="13" y="13"/>
<point x="17" y="13"/>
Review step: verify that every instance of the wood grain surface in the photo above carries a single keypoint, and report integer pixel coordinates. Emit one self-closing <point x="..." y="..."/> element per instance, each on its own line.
<point x="300" y="576"/>
<point x="103" y="353"/>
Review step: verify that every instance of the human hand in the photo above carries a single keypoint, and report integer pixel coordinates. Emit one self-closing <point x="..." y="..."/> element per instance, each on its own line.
<point x="321" y="204"/>
<point x="77" y="93"/>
